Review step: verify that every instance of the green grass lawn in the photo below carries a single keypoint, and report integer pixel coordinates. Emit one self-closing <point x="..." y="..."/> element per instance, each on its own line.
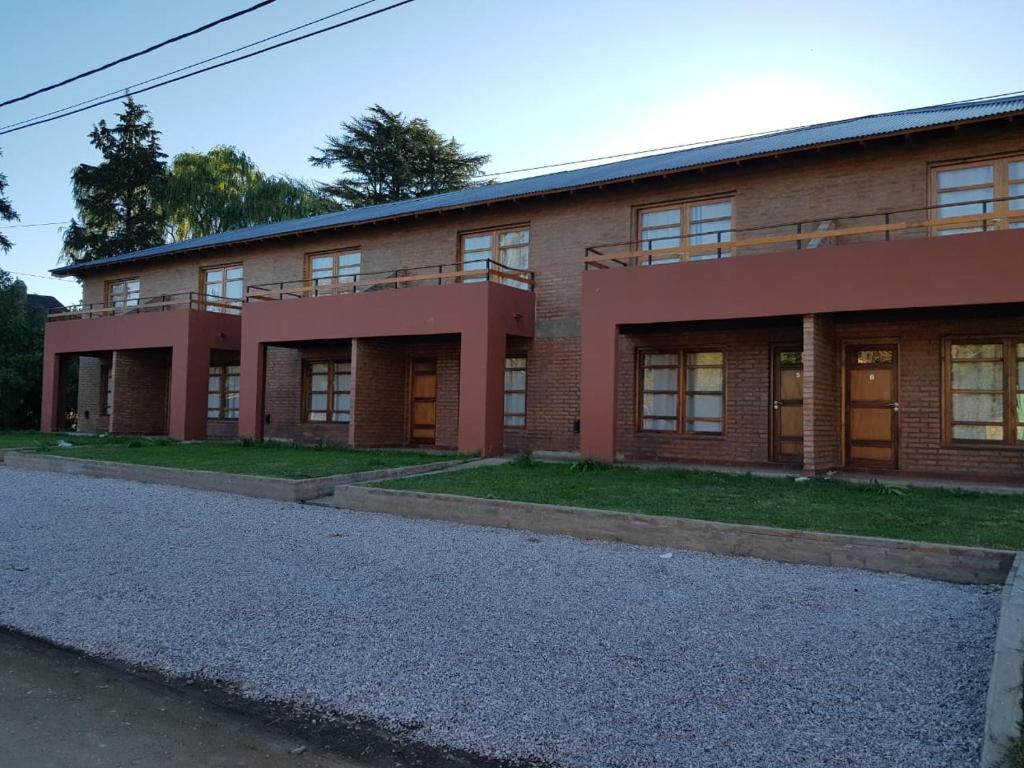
<point x="40" y="440"/>
<point x="266" y="459"/>
<point x="919" y="514"/>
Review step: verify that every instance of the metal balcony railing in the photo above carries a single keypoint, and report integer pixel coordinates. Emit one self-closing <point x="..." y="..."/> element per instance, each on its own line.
<point x="482" y="271"/>
<point x="930" y="221"/>
<point x="162" y="303"/>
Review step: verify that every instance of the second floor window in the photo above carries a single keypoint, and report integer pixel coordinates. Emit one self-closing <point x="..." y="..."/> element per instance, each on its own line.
<point x="223" y="288"/>
<point x="683" y="226"/>
<point x="335" y="268"/>
<point x="222" y="393"/>
<point x="976" y="189"/>
<point x="123" y="293"/>
<point x="496" y="249"/>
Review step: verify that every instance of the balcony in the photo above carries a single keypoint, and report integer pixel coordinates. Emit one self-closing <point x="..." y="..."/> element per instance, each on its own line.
<point x="913" y="258"/>
<point x="162" y="303"/>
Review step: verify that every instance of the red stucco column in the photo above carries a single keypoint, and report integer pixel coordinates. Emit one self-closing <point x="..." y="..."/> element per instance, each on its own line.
<point x="599" y="356"/>
<point x="251" y="394"/>
<point x="190" y="370"/>
<point x="482" y="390"/>
<point x="50" y="412"/>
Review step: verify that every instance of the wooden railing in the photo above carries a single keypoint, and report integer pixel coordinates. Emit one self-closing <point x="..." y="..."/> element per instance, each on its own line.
<point x="806" y="235"/>
<point x="441" y="274"/>
<point x="163" y="303"/>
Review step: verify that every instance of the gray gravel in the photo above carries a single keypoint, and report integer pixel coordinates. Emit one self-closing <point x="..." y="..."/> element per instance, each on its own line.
<point x="502" y="642"/>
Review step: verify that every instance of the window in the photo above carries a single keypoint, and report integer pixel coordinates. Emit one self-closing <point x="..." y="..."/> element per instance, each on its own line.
<point x="506" y="248"/>
<point x="682" y="391"/>
<point x="986" y="391"/>
<point x="515" y="391"/>
<point x="123" y="293"/>
<point x="978" y="189"/>
<point x="337" y="268"/>
<point x="106" y="391"/>
<point x="222" y="393"/>
<point x="699" y="223"/>
<point x="329" y="391"/>
<point x="223" y="288"/>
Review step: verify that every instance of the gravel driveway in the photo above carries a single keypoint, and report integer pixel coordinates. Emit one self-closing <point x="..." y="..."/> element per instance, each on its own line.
<point x="502" y="642"/>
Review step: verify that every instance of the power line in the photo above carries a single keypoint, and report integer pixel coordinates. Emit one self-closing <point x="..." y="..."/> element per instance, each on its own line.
<point x="41" y="277"/>
<point x="42" y="224"/>
<point x="191" y="66"/>
<point x="722" y="140"/>
<point x="211" y="67"/>
<point x="143" y="52"/>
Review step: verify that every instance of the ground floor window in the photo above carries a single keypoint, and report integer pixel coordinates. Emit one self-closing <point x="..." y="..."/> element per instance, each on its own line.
<point x="328" y="386"/>
<point x="682" y="391"/>
<point x="515" y="391"/>
<point x="106" y="391"/>
<point x="985" y="392"/>
<point x="222" y="392"/>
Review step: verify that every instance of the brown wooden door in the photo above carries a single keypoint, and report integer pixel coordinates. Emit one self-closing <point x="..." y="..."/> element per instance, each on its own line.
<point x="872" y="407"/>
<point x="787" y="404"/>
<point x="423" y="418"/>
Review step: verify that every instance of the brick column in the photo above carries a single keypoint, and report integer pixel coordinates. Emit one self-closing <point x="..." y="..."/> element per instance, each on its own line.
<point x="821" y="396"/>
<point x="190" y="370"/>
<point x="379" y="394"/>
<point x="50" y="413"/>
<point x="140" y="388"/>
<point x="482" y="390"/>
<point x="599" y="356"/>
<point x="252" y="388"/>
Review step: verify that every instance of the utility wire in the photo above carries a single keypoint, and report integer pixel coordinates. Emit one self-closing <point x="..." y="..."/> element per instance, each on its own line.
<point x="43" y="224"/>
<point x="41" y="277"/>
<point x="211" y="67"/>
<point x="191" y="66"/>
<point x="729" y="138"/>
<point x="143" y="52"/>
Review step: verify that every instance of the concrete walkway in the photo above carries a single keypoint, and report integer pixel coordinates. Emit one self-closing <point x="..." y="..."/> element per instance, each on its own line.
<point x="58" y="710"/>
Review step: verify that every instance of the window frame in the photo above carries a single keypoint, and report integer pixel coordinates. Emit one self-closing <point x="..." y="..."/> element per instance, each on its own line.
<point x="495" y="250"/>
<point x="106" y="389"/>
<point x="1000" y="188"/>
<point x="330" y="392"/>
<point x="681" y="391"/>
<point x="108" y="293"/>
<point x="506" y="391"/>
<point x="223" y="298"/>
<point x="1010" y="361"/>
<point x="684" y="206"/>
<point x="333" y="280"/>
<point x="222" y="391"/>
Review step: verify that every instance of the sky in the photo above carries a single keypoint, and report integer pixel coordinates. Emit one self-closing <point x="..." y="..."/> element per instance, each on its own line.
<point x="529" y="82"/>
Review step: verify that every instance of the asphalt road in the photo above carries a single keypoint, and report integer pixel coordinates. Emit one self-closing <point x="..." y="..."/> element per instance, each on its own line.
<point x="58" y="710"/>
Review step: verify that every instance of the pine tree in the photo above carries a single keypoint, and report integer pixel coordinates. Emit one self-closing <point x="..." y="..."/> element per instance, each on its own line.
<point x="116" y="200"/>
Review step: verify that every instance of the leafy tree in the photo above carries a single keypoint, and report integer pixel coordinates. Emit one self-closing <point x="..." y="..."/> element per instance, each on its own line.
<point x="7" y="213"/>
<point x="387" y="157"/>
<point x="220" y="190"/>
<point x="116" y="199"/>
<point x="21" y="356"/>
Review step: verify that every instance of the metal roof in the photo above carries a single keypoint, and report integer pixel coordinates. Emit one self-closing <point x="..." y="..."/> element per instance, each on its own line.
<point x="709" y="154"/>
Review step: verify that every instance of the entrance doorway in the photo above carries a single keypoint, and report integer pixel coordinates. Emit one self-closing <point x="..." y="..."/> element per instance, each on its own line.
<point x="787" y="404"/>
<point x="423" y="411"/>
<point x="872" y="407"/>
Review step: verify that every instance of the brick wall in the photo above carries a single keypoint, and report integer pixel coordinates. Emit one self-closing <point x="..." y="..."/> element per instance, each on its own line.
<point x="746" y="432"/>
<point x="141" y="379"/>
<point x="91" y="394"/>
<point x="283" y="397"/>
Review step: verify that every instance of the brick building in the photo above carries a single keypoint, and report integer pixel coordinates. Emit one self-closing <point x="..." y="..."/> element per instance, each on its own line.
<point x="838" y="296"/>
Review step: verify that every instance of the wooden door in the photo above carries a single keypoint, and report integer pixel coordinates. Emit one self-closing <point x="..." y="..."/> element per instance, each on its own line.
<point x="423" y="412"/>
<point x="787" y="404"/>
<point x="872" y="406"/>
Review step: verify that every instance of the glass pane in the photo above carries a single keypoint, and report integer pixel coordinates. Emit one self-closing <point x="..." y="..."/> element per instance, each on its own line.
<point x="1016" y="170"/>
<point x="516" y="258"/>
<point x="343" y="382"/>
<point x="514" y="420"/>
<point x="472" y="266"/>
<point x="659" y="425"/>
<point x="948" y="199"/>
<point x="231" y="383"/>
<point x="318" y="402"/>
<point x="965" y="177"/>
<point x="520" y="362"/>
<point x="234" y="291"/>
<point x="214" y="385"/>
<point x="661" y="405"/>
<point x="705" y="426"/>
<point x="703" y="406"/>
<point x="978" y="376"/>
<point x="791" y="358"/>
<point x="705" y="358"/>
<point x="662" y="237"/>
<point x="213" y="401"/>
<point x="1020" y="377"/>
<point x="231" y="403"/>
<point x="974" y="351"/>
<point x="234" y="274"/>
<point x="704" y="379"/>
<point x="515" y="380"/>
<point x="976" y="432"/>
<point x="321" y="264"/>
<point x="661" y="379"/>
<point x="515" y="403"/>
<point x="520" y="237"/>
<point x="317" y="416"/>
<point x="977" y="407"/>
<point x="655" y="358"/>
<point x="874" y="356"/>
<point x="350" y="259"/>
<point x="318" y="367"/>
<point x="1017" y="192"/>
<point x="476" y="242"/>
<point x="234" y="369"/>
<point x="722" y="210"/>
<point x="661" y="218"/>
<point x="212" y="413"/>
<point x="318" y="383"/>
<point x="342" y="403"/>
